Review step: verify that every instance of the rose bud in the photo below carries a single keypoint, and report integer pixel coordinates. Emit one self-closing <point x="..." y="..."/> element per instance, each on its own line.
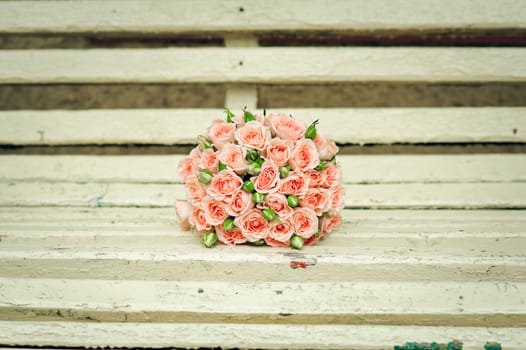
<point x="205" y="176"/>
<point x="248" y="186"/>
<point x="311" y="130"/>
<point x="209" y="240"/>
<point x="258" y="197"/>
<point x="293" y="201"/>
<point x="229" y="224"/>
<point x="259" y="242"/>
<point x="284" y="171"/>
<point x="297" y="242"/>
<point x="254" y="168"/>
<point x="203" y="142"/>
<point x="268" y="214"/>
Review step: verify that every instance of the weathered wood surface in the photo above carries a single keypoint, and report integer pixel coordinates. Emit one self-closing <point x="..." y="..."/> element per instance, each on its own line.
<point x="205" y="16"/>
<point x="356" y="169"/>
<point x="263" y="65"/>
<point x="268" y="336"/>
<point x="179" y="126"/>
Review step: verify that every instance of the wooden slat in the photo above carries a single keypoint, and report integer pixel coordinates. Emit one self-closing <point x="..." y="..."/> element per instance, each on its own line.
<point x="355" y="168"/>
<point x="413" y="195"/>
<point x="263" y="65"/>
<point x="180" y="126"/>
<point x="431" y="304"/>
<point x="268" y="336"/>
<point x="193" y="16"/>
<point x="372" y="246"/>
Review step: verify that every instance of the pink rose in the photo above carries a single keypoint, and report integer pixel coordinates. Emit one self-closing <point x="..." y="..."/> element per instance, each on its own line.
<point x="183" y="209"/>
<point x="279" y="204"/>
<point x="304" y="156"/>
<point x="232" y="237"/>
<point x="252" y="224"/>
<point x="268" y="179"/>
<point x="333" y="175"/>
<point x="272" y="117"/>
<point x="311" y="240"/>
<point x="318" y="200"/>
<point x="295" y="183"/>
<point x="195" y="190"/>
<point x="198" y="220"/>
<point x="208" y="160"/>
<point x="279" y="151"/>
<point x="233" y="156"/>
<point x="221" y="132"/>
<point x="253" y="135"/>
<point x="215" y="212"/>
<point x="187" y="167"/>
<point x="287" y="128"/>
<point x="338" y="198"/>
<point x="195" y="153"/>
<point x="305" y="222"/>
<point x="275" y="243"/>
<point x="316" y="178"/>
<point x="327" y="149"/>
<point x="329" y="223"/>
<point x="240" y="203"/>
<point x="224" y="184"/>
<point x="281" y="231"/>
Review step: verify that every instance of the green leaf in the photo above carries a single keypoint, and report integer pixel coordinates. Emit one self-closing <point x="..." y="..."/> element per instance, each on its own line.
<point x="320" y="167"/>
<point x="248" y="116"/>
<point x="229" y="115"/>
<point x="221" y="166"/>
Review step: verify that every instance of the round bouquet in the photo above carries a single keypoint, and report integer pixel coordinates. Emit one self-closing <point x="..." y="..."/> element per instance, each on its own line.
<point x="263" y="180"/>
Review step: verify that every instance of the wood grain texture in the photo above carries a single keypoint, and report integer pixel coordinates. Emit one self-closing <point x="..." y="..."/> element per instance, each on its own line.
<point x="370" y="246"/>
<point x="204" y="16"/>
<point x="430" y="304"/>
<point x="180" y="126"/>
<point x="366" y="337"/>
<point x="413" y="195"/>
<point x="356" y="169"/>
<point x="263" y="65"/>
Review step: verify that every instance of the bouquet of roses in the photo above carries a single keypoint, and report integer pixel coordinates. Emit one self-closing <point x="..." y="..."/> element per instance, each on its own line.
<point x="264" y="180"/>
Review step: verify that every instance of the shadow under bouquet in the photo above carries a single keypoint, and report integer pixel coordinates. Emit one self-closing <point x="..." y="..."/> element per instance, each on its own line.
<point x="263" y="180"/>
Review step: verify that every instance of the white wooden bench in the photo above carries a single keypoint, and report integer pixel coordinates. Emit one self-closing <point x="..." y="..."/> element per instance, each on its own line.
<point x="90" y="253"/>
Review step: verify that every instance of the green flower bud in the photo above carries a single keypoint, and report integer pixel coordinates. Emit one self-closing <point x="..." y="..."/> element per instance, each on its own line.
<point x="248" y="186"/>
<point x="293" y="201"/>
<point x="259" y="243"/>
<point x="209" y="239"/>
<point x="252" y="155"/>
<point x="229" y="225"/>
<point x="258" y="197"/>
<point x="254" y="169"/>
<point x="205" y="176"/>
<point x="297" y="242"/>
<point x="320" y="167"/>
<point x="311" y="130"/>
<point x="284" y="171"/>
<point x="203" y="142"/>
<point x="268" y="214"/>
<point x="221" y="166"/>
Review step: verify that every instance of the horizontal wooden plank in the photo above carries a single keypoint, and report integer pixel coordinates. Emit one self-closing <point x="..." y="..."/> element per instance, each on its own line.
<point x="403" y="303"/>
<point x="204" y="16"/>
<point x="192" y="335"/>
<point x="263" y="65"/>
<point x="355" y="126"/>
<point x="146" y="244"/>
<point x="413" y="195"/>
<point x="356" y="168"/>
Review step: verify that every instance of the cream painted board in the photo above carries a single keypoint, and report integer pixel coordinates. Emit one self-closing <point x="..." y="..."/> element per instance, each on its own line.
<point x="208" y="16"/>
<point x="414" y="303"/>
<point x="432" y="195"/>
<point x="363" y="337"/>
<point x="181" y="126"/>
<point x="355" y="168"/>
<point x="263" y="65"/>
<point x="79" y="222"/>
